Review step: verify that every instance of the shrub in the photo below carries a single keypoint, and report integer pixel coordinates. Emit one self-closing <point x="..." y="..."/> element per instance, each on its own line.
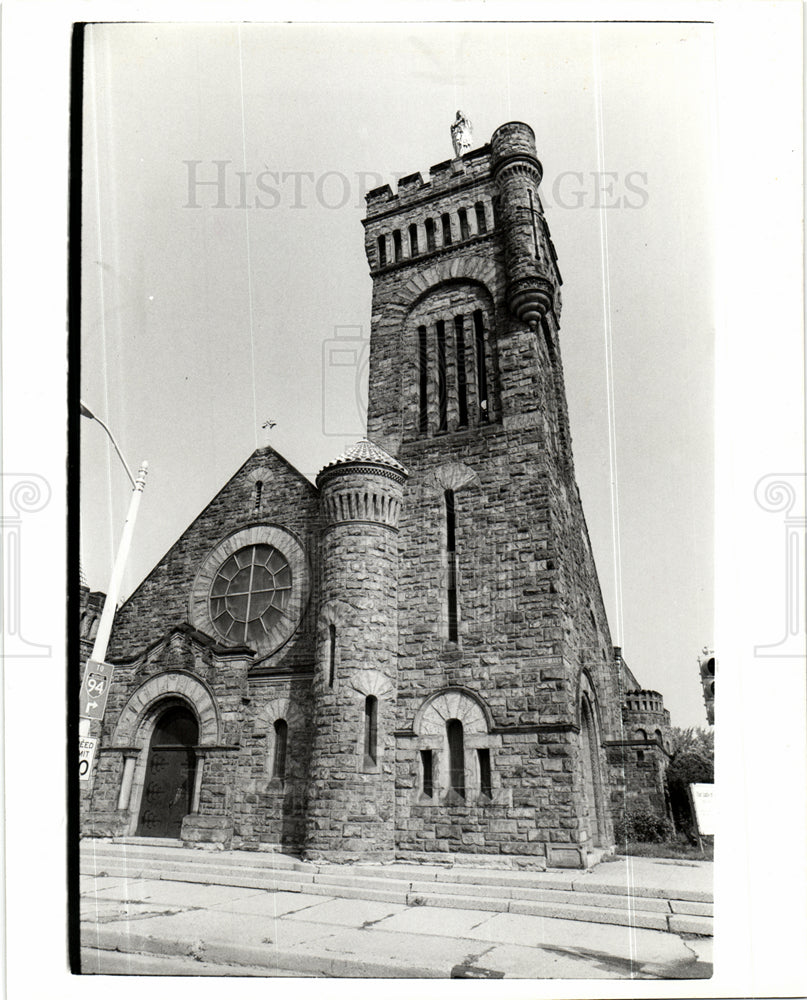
<point x="644" y="827"/>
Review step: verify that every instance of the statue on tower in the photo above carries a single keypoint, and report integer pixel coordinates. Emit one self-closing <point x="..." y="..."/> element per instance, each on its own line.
<point x="461" y="133"/>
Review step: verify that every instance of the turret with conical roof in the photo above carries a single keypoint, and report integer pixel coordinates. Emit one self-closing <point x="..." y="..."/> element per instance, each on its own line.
<point x="350" y="810"/>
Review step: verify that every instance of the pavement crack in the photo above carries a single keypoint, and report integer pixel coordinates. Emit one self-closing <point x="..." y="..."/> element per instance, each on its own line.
<point x="371" y="923"/>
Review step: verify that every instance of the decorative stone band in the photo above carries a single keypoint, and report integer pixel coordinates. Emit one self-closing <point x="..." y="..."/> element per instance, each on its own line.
<point x="361" y="507"/>
<point x="519" y="163"/>
<point x="365" y="469"/>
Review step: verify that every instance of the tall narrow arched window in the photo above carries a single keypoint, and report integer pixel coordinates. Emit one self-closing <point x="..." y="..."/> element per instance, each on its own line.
<point x="331" y="654"/>
<point x="481" y="221"/>
<point x="413" y="240"/>
<point x="423" y="380"/>
<point x="465" y="232"/>
<point x="442" y="382"/>
<point x="281" y="740"/>
<point x="451" y="555"/>
<point x="382" y="250"/>
<point x="481" y="365"/>
<point x="397" y="245"/>
<point x="462" y="378"/>
<point x="370" y="730"/>
<point x="456" y="756"/>
<point x="258" y="494"/>
<point x="445" y="219"/>
<point x="430" y="240"/>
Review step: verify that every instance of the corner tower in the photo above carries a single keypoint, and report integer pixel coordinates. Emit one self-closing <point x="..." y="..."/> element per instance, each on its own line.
<point x="350" y="812"/>
<point x="506" y="683"/>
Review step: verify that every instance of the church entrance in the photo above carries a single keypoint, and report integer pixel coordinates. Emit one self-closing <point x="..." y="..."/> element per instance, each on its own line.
<point x="591" y="769"/>
<point x="170" y="771"/>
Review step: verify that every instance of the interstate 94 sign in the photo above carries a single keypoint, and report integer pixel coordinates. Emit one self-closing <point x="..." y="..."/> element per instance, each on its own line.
<point x="94" y="690"/>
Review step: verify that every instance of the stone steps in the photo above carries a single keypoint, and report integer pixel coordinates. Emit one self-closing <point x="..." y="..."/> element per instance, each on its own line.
<point x="544" y="894"/>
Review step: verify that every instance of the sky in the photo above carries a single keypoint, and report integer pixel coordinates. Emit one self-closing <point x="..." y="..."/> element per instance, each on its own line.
<point x="225" y="168"/>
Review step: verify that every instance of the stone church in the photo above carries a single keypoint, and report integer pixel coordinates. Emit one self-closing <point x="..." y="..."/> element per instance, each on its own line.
<point x="409" y="658"/>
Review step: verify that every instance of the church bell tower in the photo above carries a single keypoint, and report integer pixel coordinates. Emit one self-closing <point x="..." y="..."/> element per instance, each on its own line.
<point x="505" y="673"/>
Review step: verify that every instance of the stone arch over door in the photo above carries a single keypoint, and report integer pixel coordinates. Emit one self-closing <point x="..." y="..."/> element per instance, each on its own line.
<point x="592" y="770"/>
<point x="135" y="728"/>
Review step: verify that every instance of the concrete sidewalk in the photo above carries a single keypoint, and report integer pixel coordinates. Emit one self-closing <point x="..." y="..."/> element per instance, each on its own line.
<point x="249" y="931"/>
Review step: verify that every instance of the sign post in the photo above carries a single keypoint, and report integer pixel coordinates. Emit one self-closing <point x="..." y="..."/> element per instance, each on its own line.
<point x="701" y="798"/>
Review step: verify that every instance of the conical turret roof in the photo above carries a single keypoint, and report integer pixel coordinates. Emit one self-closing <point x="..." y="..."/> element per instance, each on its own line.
<point x="365" y="451"/>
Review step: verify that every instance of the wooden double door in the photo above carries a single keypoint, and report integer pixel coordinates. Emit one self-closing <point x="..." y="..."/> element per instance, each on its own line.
<point x="170" y="774"/>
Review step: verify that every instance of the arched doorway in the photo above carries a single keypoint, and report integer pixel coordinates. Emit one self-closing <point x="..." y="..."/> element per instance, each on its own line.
<point x="170" y="771"/>
<point x="591" y="772"/>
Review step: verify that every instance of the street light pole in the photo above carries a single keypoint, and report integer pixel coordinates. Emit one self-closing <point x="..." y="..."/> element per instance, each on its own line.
<point x="111" y="600"/>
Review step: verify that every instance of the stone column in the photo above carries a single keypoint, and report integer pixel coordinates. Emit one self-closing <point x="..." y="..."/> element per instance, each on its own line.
<point x="129" y="762"/>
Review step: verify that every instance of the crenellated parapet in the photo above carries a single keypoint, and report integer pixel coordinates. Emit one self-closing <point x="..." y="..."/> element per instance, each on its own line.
<point x="644" y="717"/>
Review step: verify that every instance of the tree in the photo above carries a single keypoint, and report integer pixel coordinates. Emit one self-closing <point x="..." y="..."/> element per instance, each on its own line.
<point x="692" y="760"/>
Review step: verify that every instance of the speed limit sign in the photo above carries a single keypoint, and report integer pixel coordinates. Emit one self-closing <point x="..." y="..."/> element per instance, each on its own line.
<point x="86" y="754"/>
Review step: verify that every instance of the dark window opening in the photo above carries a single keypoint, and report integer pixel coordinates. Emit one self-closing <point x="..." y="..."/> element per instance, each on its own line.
<point x="427" y="764"/>
<point x="451" y="554"/>
<point x="423" y="376"/>
<point x="413" y="240"/>
<point x="445" y="219"/>
<point x="462" y="380"/>
<point x="442" y="388"/>
<point x="382" y="251"/>
<point x="465" y="232"/>
<point x="281" y="740"/>
<point x="456" y="757"/>
<point x="430" y="240"/>
<point x="481" y="365"/>
<point x="640" y="755"/>
<point x="534" y="227"/>
<point x="397" y="245"/>
<point x="331" y="654"/>
<point x="370" y="729"/>
<point x="258" y="494"/>
<point x="485" y="785"/>
<point x="481" y="221"/>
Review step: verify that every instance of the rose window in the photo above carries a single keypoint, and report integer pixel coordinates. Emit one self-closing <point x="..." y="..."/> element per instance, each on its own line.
<point x="250" y="594"/>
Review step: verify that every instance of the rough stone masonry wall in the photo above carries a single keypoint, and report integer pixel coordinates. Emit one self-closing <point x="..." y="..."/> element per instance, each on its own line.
<point x="161" y="601"/>
<point x="523" y="636"/>
<point x="269" y="810"/>
<point x="226" y="678"/>
<point x="350" y="812"/>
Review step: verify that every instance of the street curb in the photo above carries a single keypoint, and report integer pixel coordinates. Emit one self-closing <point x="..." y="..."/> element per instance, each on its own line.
<point x="257" y="956"/>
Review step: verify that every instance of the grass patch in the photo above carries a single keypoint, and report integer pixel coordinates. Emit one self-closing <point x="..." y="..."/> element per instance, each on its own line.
<point x="676" y="849"/>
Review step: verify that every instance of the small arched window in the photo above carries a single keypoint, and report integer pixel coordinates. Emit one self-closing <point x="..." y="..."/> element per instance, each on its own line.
<point x="456" y="757"/>
<point x="382" y="250"/>
<point x="465" y="232"/>
<point x="258" y="494"/>
<point x="397" y="245"/>
<point x="445" y="219"/>
<point x="641" y="734"/>
<point x="370" y="730"/>
<point x="481" y="221"/>
<point x="413" y="240"/>
<point x="281" y="740"/>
